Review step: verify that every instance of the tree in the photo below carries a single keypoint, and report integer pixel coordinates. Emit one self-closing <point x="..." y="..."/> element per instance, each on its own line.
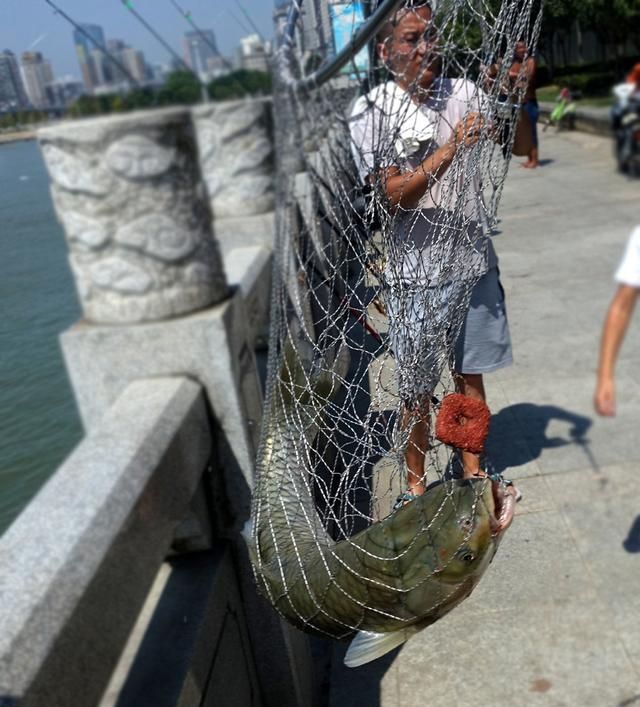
<point x="141" y="98"/>
<point x="615" y="22"/>
<point x="117" y="104"/>
<point x="239" y="84"/>
<point x="181" y="87"/>
<point x="558" y="20"/>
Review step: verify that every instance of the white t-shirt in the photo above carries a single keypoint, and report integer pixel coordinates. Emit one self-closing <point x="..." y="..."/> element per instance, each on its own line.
<point x="444" y="238"/>
<point x="628" y="273"/>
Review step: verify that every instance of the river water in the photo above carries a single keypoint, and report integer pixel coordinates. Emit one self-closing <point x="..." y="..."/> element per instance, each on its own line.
<point x="39" y="424"/>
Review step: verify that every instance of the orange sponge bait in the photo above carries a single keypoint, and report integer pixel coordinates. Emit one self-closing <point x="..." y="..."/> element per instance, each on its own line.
<point x="463" y="422"/>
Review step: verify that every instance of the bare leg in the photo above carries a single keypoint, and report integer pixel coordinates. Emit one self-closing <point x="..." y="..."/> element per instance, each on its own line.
<point x="532" y="162"/>
<point x="471" y="384"/>
<point x="418" y="418"/>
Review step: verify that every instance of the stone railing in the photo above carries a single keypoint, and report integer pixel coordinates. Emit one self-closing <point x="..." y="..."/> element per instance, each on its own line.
<point x="82" y="557"/>
<point x="125" y="581"/>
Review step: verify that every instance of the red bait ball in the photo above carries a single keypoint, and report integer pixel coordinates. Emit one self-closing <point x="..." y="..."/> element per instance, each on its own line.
<point x="463" y="422"/>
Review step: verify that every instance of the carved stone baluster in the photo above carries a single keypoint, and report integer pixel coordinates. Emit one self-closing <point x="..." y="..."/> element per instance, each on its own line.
<point x="129" y="193"/>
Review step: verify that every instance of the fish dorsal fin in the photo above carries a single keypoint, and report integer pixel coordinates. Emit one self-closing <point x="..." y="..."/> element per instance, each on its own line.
<point x="368" y="646"/>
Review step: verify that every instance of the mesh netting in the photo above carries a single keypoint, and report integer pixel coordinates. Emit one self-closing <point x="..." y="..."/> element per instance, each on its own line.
<point x="383" y="237"/>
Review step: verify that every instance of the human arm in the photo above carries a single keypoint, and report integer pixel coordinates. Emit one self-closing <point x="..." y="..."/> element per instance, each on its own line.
<point x="522" y="75"/>
<point x="406" y="188"/>
<point x="615" y="327"/>
<point x="488" y="75"/>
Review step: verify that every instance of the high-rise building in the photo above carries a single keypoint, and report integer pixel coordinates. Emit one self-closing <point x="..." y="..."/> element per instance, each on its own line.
<point x="117" y="76"/>
<point x="12" y="93"/>
<point x="116" y="45"/>
<point x="37" y="74"/>
<point x="198" y="48"/>
<point x="280" y="13"/>
<point x="131" y="59"/>
<point x="218" y="66"/>
<point x="313" y="31"/>
<point x="254" y="53"/>
<point x="316" y="27"/>
<point x="63" y="91"/>
<point x="102" y="67"/>
<point x="135" y="64"/>
<point x="84" y="48"/>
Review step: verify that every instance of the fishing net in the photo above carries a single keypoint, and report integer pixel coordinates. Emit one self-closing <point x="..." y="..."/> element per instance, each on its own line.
<point x="373" y="279"/>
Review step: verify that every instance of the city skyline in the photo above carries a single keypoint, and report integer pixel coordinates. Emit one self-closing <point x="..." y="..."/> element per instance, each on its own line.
<point x="31" y="25"/>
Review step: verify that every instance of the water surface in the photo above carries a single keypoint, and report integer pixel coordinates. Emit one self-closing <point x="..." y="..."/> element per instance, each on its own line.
<point x="39" y="424"/>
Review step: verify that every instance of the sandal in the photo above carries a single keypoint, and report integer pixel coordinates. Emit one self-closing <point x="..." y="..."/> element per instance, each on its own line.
<point x="403" y="499"/>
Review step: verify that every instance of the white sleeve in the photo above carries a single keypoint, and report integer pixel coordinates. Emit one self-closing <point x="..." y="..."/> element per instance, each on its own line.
<point x="362" y="140"/>
<point x="371" y="137"/>
<point x="628" y="272"/>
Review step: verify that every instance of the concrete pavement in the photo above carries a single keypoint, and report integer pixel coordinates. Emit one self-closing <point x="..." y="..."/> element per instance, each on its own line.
<point x="556" y="620"/>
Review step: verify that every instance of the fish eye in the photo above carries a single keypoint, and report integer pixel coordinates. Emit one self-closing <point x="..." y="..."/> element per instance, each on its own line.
<point x="467" y="556"/>
<point x="466" y="523"/>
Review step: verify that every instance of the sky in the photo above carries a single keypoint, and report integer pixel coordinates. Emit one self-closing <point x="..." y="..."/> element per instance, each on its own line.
<point x="25" y="22"/>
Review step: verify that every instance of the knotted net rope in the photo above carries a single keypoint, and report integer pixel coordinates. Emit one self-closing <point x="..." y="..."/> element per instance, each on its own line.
<point x="371" y="288"/>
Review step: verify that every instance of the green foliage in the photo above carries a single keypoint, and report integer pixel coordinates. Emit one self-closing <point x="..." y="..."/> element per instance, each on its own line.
<point x="91" y="105"/>
<point x="559" y="15"/>
<point x="239" y="84"/>
<point x="615" y="22"/>
<point x="20" y="119"/>
<point x="181" y="87"/>
<point x="117" y="104"/>
<point x="596" y="84"/>
<point x="593" y="80"/>
<point x="141" y="98"/>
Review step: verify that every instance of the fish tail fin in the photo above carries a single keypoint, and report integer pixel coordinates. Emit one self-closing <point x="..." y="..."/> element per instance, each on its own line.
<point x="368" y="646"/>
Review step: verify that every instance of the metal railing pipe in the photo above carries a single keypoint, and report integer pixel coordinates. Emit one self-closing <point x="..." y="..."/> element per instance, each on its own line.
<point x="330" y="68"/>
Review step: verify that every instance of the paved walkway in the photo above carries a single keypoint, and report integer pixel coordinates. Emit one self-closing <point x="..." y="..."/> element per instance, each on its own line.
<point x="556" y="620"/>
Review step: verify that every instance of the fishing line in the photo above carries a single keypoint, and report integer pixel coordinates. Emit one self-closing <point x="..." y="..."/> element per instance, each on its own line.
<point x="95" y="42"/>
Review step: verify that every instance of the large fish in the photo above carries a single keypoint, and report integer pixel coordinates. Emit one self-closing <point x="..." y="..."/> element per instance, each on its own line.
<point x="389" y="581"/>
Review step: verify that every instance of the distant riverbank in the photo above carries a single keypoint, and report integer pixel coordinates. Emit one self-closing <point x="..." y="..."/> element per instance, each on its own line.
<point x="17" y="136"/>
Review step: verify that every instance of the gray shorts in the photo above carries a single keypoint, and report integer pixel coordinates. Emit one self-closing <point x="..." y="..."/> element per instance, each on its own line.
<point x="424" y="321"/>
<point x="484" y="343"/>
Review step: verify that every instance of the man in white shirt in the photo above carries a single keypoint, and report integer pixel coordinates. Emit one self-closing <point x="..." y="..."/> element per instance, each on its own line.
<point x="616" y="324"/>
<point x="411" y="139"/>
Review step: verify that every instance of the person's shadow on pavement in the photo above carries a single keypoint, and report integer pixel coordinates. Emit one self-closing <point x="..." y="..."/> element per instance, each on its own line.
<point x="518" y="434"/>
<point x="632" y="541"/>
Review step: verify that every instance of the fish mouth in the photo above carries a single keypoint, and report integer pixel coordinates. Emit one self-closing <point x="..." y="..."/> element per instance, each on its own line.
<point x="504" y="507"/>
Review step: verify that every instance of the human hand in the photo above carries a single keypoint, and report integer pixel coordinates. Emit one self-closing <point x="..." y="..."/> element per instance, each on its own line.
<point x="604" y="399"/>
<point x="468" y="131"/>
<point x="487" y="75"/>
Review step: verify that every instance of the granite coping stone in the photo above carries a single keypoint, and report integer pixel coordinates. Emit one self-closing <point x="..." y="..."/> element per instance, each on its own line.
<point x="86" y="549"/>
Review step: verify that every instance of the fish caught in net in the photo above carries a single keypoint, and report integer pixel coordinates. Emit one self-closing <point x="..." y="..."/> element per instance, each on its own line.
<point x="369" y="518"/>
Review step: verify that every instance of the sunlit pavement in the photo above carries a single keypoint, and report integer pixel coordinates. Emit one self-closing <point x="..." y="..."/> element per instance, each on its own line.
<point x="556" y="620"/>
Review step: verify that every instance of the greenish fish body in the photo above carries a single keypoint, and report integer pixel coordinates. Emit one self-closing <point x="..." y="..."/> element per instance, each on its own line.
<point x="391" y="580"/>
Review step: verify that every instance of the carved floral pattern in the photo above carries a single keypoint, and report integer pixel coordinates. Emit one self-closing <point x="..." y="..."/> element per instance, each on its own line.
<point x="159" y="236"/>
<point x="134" y="211"/>
<point x="137" y="157"/>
